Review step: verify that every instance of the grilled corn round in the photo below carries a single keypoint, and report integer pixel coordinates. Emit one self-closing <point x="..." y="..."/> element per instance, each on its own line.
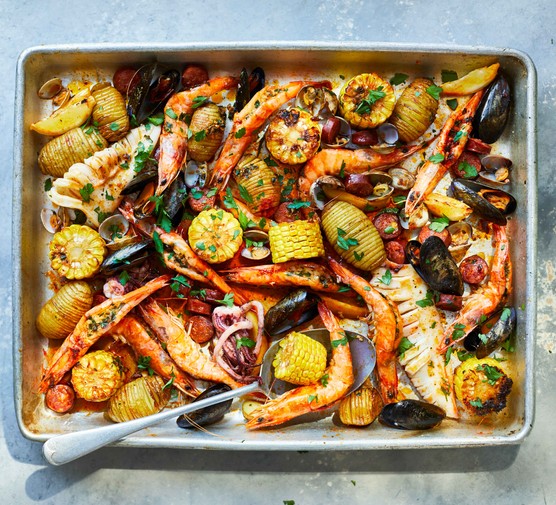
<point x="97" y="376"/>
<point x="300" y="359"/>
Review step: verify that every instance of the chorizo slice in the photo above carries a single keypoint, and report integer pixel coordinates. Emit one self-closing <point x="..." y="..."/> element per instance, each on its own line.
<point x="387" y="225"/>
<point x="473" y="269"/>
<point x="395" y="252"/>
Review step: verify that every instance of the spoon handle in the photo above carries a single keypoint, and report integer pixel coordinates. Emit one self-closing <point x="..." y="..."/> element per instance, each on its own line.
<point x="65" y="448"/>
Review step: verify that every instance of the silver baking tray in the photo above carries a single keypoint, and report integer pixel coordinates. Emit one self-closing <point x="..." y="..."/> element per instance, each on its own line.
<point x="283" y="60"/>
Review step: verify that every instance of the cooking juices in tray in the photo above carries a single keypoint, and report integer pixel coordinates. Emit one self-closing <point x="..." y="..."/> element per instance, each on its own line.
<point x="197" y="216"/>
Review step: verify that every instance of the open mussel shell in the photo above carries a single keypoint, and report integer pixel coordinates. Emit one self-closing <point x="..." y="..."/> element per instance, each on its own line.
<point x="257" y="248"/>
<point x="486" y="343"/>
<point x="54" y="220"/>
<point x="243" y="94"/>
<point x="436" y="266"/>
<point x="174" y="198"/>
<point x="208" y="415"/>
<point x="493" y="111"/>
<point x="488" y="203"/>
<point x="149" y="173"/>
<point x="126" y="257"/>
<point x="139" y="94"/>
<point x="411" y="415"/>
<point x="296" y="308"/>
<point x="257" y="80"/>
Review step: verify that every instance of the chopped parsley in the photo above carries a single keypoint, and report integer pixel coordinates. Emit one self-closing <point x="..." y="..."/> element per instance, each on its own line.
<point x="438" y="224"/>
<point x="198" y="101"/>
<point x="240" y="133"/>
<point x="156" y="120"/>
<point x="244" y="193"/>
<point x="313" y="398"/>
<point x="228" y="300"/>
<point x="179" y="280"/>
<point x="298" y="204"/>
<point x="244" y="342"/>
<point x="366" y="104"/>
<point x="386" y="278"/>
<point x="200" y="135"/>
<point x="437" y="158"/>
<point x="428" y="301"/>
<point x="405" y="345"/>
<point x="398" y="79"/>
<point x="448" y="355"/>
<point x="158" y="245"/>
<point x="324" y="380"/>
<point x="170" y="113"/>
<point x="86" y="192"/>
<point x="123" y="278"/>
<point x="339" y="341"/>
<point x="459" y="135"/>
<point x="344" y="243"/>
<point x="144" y="363"/>
<point x="452" y="103"/>
<point x="492" y="374"/>
<point x="114" y="127"/>
<point x="434" y="91"/>
<point x="469" y="170"/>
<point x="48" y="184"/>
<point x="449" y="75"/>
<point x="476" y="403"/>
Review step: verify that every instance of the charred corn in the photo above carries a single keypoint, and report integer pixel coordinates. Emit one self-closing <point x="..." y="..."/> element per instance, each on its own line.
<point x="215" y="235"/>
<point x="76" y="252"/>
<point x="97" y="376"/>
<point x="300" y="360"/>
<point x="296" y="240"/>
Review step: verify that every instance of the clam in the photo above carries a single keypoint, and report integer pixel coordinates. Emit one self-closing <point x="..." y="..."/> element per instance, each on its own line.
<point x="294" y="309"/>
<point x="497" y="329"/>
<point x="323" y="188"/>
<point x="492" y="162"/>
<point x="382" y="190"/>
<point x="435" y="265"/>
<point x="195" y="174"/>
<point x="50" y="88"/>
<point x="53" y="221"/>
<point x="311" y="99"/>
<point x="256" y="245"/>
<point x="462" y="235"/>
<point x="113" y="228"/>
<point x="208" y="415"/>
<point x="493" y="112"/>
<point x="126" y="257"/>
<point x="411" y="415"/>
<point x="387" y="133"/>
<point x="62" y="98"/>
<point x="490" y="204"/>
<point x="401" y="178"/>
<point x="418" y="219"/>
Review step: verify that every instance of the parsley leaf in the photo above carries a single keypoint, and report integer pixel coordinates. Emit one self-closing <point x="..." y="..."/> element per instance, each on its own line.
<point x="339" y="341"/>
<point x="386" y="278"/>
<point x="244" y="342"/>
<point x="437" y="158"/>
<point x="179" y="280"/>
<point x="448" y="355"/>
<point x="298" y="204"/>
<point x="344" y="243"/>
<point x="270" y="162"/>
<point x="86" y="192"/>
<point x="459" y="135"/>
<point x="156" y="120"/>
<point x="124" y="277"/>
<point x="398" y="79"/>
<point x="200" y="135"/>
<point x="476" y="403"/>
<point x="170" y="382"/>
<point x="434" y="91"/>
<point x="405" y="345"/>
<point x="452" y="103"/>
<point x="144" y="363"/>
<point x="244" y="193"/>
<point x="114" y="127"/>
<point x="492" y="374"/>
<point x="240" y="133"/>
<point x="48" y="184"/>
<point x="469" y="170"/>
<point x="198" y="101"/>
<point x="366" y="104"/>
<point x="313" y="398"/>
<point x="449" y="75"/>
<point x="228" y="300"/>
<point x="438" y="224"/>
<point x="170" y="113"/>
<point x="324" y="380"/>
<point x="158" y="245"/>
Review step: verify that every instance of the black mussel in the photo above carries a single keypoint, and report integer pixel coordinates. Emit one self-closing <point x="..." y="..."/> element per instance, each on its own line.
<point x="411" y="415"/>
<point x="496" y="330"/>
<point x="126" y="257"/>
<point x="148" y="174"/>
<point x="490" y="204"/>
<point x="438" y="268"/>
<point x="493" y="111"/>
<point x="243" y="94"/>
<point x="208" y="415"/>
<point x="256" y="81"/>
<point x="139" y="93"/>
<point x="164" y="86"/>
<point x="412" y="251"/>
<point x="291" y="311"/>
<point x="174" y="198"/>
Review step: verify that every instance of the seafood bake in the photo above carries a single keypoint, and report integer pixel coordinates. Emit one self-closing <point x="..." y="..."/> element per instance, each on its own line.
<point x="198" y="217"/>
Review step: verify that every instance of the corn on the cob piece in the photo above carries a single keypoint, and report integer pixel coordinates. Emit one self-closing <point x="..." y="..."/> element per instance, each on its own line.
<point x="215" y="235"/>
<point x="300" y="360"/>
<point x="296" y="240"/>
<point x="97" y="376"/>
<point x="76" y="252"/>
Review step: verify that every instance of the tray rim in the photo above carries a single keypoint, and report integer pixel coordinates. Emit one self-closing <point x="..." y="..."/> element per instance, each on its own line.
<point x="306" y="45"/>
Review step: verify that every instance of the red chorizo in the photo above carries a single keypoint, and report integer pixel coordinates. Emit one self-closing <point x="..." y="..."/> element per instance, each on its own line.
<point x="477" y="146"/>
<point x="387" y="225"/>
<point x="365" y="138"/>
<point x="473" y="269"/>
<point x="198" y="307"/>
<point x="358" y="184"/>
<point x="212" y="295"/>
<point x="202" y="329"/>
<point x="467" y="158"/>
<point x="426" y="232"/>
<point x="125" y="79"/>
<point x="201" y="202"/>
<point x="194" y="75"/>
<point x="60" y="398"/>
<point x="284" y="214"/>
<point x="449" y="302"/>
<point x="395" y="252"/>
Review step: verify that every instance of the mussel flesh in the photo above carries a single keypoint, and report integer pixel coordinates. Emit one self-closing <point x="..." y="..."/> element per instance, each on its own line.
<point x="490" y="204"/>
<point x="208" y="415"/>
<point x="291" y="311"/>
<point x="486" y="343"/>
<point x="164" y="87"/>
<point x="126" y="257"/>
<point x="411" y="415"/>
<point x="493" y="112"/>
<point x="436" y="266"/>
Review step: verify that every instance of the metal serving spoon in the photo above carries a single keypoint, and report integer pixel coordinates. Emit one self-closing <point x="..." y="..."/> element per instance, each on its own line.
<point x="65" y="448"/>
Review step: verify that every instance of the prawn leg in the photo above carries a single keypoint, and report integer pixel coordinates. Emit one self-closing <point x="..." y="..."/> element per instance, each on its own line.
<point x="94" y="324"/>
<point x="306" y="399"/>
<point x="136" y="335"/>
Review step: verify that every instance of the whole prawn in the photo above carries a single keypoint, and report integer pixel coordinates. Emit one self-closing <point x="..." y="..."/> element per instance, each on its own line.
<point x="388" y="328"/>
<point x="185" y="352"/>
<point x="136" y="335"/>
<point x="306" y="399"/>
<point x="173" y="140"/>
<point x="292" y="273"/>
<point x="332" y="161"/>
<point x="483" y="302"/>
<point x="451" y="144"/>
<point x="93" y="325"/>
<point x="246" y="123"/>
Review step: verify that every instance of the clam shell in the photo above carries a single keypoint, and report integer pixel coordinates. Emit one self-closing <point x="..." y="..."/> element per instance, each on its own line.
<point x="50" y="88"/>
<point x="113" y="228"/>
<point x="311" y="99"/>
<point x="256" y="252"/>
<point x="493" y="162"/>
<point x="401" y="178"/>
<point x="387" y="133"/>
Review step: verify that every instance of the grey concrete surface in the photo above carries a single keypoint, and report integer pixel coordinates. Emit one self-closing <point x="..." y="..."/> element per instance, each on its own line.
<point x="509" y="475"/>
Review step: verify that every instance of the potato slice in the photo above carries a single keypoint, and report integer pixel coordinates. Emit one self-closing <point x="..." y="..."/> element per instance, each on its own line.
<point x="472" y="82"/>
<point x="441" y="205"/>
<point x="71" y="115"/>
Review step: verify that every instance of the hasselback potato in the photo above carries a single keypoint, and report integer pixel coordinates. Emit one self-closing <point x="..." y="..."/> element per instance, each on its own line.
<point x="415" y="110"/>
<point x="353" y="235"/>
<point x="139" y="398"/>
<point x="61" y="313"/>
<point x="110" y="113"/>
<point x="97" y="376"/>
<point x="72" y="147"/>
<point x="207" y="131"/>
<point x="361" y="407"/>
<point x="259" y="186"/>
